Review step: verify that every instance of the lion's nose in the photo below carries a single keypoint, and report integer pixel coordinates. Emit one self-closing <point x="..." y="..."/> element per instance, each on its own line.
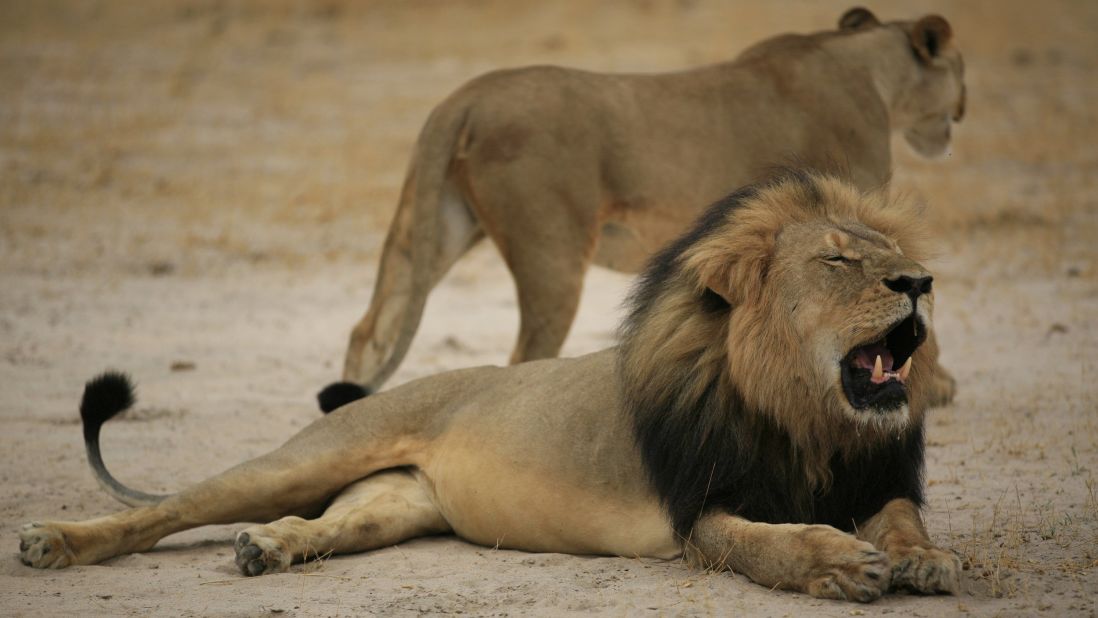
<point x="912" y="286"/>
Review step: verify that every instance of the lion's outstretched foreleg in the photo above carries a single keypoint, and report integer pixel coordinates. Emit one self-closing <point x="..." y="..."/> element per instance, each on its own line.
<point x="381" y="510"/>
<point x="819" y="560"/>
<point x="917" y="565"/>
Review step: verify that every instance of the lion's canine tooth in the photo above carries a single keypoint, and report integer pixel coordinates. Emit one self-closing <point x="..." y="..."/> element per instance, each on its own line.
<point x="906" y="369"/>
<point x="878" y="369"/>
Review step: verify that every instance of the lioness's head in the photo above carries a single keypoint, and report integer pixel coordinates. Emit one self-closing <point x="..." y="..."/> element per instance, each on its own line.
<point x="927" y="82"/>
<point x="802" y="298"/>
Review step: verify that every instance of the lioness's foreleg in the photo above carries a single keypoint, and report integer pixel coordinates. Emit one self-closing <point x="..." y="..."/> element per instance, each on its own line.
<point x="942" y="387"/>
<point x="819" y="560"/>
<point x="917" y="564"/>
<point x="381" y="510"/>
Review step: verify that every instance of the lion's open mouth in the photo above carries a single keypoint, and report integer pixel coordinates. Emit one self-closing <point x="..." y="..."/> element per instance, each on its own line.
<point x="875" y="374"/>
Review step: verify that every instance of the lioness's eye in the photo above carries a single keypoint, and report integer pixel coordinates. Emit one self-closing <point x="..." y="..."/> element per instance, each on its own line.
<point x="837" y="259"/>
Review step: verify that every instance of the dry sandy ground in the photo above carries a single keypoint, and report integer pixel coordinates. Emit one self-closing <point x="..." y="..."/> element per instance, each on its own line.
<point x="208" y="183"/>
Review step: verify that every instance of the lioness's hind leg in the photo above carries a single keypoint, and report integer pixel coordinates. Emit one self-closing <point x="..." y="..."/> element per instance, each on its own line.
<point x="548" y="272"/>
<point x="538" y="211"/>
<point x="547" y="306"/>
<point x="381" y="510"/>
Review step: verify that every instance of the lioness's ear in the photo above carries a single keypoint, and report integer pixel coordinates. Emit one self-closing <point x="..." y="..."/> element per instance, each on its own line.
<point x="858" y="17"/>
<point x="929" y="35"/>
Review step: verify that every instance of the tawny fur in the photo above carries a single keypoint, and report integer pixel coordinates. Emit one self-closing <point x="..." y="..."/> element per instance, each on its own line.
<point x="676" y="348"/>
<point x="549" y="456"/>
<point x="564" y="168"/>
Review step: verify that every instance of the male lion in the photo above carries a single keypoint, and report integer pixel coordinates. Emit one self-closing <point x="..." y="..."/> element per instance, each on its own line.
<point x="562" y="168"/>
<point x="763" y="414"/>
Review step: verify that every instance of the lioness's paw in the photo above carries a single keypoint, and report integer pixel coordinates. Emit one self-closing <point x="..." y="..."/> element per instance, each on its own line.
<point x="259" y="554"/>
<point x="929" y="571"/>
<point x="942" y="389"/>
<point x="845" y="568"/>
<point x="43" y="546"/>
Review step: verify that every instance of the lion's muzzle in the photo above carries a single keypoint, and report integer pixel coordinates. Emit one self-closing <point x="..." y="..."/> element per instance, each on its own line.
<point x="875" y="374"/>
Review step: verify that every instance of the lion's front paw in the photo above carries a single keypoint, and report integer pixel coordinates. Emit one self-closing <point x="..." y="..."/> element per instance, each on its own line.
<point x="845" y="568"/>
<point x="259" y="554"/>
<point x="929" y="571"/>
<point x="43" y="546"/>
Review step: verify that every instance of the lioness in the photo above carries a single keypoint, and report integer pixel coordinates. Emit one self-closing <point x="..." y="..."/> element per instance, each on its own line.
<point x="562" y="168"/>
<point x="763" y="414"/>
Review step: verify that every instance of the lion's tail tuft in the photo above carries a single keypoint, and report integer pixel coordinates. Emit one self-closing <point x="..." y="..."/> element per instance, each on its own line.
<point x="104" y="397"/>
<point x="339" y="394"/>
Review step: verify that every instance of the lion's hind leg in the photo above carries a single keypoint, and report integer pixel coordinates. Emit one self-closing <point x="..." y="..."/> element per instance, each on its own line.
<point x="380" y="510"/>
<point x="819" y="560"/>
<point x="299" y="477"/>
<point x="58" y="544"/>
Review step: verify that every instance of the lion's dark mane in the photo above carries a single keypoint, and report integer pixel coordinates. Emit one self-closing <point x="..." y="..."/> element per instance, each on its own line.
<point x="704" y="450"/>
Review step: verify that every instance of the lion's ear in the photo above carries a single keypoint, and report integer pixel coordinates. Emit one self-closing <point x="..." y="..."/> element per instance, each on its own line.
<point x="857" y="18"/>
<point x="929" y="36"/>
<point x="736" y="275"/>
<point x="719" y="281"/>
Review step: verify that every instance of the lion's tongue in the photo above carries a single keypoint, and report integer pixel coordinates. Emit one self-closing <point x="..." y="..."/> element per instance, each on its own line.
<point x="866" y="356"/>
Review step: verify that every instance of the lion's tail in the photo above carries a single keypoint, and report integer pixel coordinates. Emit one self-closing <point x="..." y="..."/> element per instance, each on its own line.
<point x="105" y="396"/>
<point x="433" y="227"/>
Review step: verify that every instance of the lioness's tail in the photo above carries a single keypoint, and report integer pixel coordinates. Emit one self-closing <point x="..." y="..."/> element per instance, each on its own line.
<point x="432" y="228"/>
<point x="105" y="396"/>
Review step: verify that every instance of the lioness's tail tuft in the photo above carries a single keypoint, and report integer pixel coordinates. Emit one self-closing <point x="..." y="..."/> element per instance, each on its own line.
<point x="104" y="396"/>
<point x="339" y="394"/>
